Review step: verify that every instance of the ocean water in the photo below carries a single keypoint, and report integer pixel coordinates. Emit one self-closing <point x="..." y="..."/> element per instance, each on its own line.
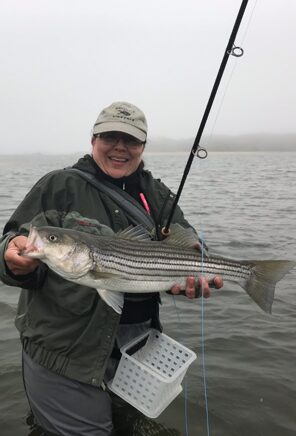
<point x="244" y="380"/>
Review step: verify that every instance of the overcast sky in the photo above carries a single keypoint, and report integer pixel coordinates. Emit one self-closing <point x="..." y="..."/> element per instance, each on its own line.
<point x="62" y="61"/>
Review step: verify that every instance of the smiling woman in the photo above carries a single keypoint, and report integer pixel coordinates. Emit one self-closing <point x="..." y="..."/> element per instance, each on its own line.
<point x="119" y="137"/>
<point x="71" y="338"/>
<point x="118" y="155"/>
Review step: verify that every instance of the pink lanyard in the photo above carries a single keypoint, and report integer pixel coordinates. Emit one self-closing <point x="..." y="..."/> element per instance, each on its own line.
<point x="145" y="203"/>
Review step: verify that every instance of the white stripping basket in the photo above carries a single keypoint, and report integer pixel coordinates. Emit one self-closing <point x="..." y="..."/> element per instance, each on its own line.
<point x="150" y="372"/>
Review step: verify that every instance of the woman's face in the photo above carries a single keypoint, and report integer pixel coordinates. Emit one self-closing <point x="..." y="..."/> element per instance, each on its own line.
<point x="117" y="154"/>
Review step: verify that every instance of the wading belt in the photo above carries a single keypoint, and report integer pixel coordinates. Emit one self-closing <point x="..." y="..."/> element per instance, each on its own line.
<point x="134" y="210"/>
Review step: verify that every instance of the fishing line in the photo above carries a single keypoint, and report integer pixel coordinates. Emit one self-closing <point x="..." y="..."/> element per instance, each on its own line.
<point x="202" y="307"/>
<point x="201" y="235"/>
<point x="231" y="75"/>
<point x="203" y="337"/>
<point x="204" y="377"/>
<point x="196" y="150"/>
<point x="248" y="23"/>
<point x="185" y="378"/>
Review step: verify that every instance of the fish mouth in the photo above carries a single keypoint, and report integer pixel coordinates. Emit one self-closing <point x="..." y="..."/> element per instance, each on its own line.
<point x="34" y="245"/>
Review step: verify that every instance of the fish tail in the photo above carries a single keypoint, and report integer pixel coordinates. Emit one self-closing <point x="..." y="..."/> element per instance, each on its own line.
<point x="265" y="275"/>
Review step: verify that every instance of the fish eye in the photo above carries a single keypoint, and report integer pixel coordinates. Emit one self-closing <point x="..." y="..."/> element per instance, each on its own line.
<point x="52" y="238"/>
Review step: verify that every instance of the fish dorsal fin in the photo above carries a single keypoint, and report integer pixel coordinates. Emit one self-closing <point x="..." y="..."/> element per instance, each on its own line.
<point x="182" y="237"/>
<point x="137" y="233"/>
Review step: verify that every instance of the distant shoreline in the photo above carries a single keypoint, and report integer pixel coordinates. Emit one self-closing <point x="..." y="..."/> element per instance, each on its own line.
<point x="153" y="152"/>
<point x="228" y="143"/>
<point x="266" y="143"/>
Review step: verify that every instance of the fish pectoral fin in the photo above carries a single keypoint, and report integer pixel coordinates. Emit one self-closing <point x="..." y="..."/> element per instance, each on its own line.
<point x="113" y="299"/>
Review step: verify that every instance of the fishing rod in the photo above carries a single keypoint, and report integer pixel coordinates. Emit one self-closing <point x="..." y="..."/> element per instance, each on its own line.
<point x="231" y="50"/>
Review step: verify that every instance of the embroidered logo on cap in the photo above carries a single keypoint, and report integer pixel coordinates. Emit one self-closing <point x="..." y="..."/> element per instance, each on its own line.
<point x="123" y="113"/>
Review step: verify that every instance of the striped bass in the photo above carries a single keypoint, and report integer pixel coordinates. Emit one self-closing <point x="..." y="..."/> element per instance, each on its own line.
<point x="129" y="261"/>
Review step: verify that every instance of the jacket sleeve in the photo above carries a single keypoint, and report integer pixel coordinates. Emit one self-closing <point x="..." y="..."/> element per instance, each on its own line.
<point x="28" y="281"/>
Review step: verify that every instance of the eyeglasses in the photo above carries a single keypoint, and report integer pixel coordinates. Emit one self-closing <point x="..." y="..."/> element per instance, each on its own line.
<point x="113" y="138"/>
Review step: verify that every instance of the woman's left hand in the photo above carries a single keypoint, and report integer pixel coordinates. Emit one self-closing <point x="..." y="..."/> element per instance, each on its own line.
<point x="194" y="288"/>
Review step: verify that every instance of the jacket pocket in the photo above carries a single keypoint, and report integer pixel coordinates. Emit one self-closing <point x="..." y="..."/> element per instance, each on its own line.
<point x="69" y="297"/>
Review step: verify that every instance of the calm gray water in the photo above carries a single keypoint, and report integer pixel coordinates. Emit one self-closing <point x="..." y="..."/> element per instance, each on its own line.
<point x="244" y="205"/>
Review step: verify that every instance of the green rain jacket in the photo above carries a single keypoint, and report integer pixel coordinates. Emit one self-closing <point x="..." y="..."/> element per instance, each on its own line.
<point x="65" y="327"/>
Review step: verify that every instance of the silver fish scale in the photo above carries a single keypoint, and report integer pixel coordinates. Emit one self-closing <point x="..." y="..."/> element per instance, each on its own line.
<point x="151" y="260"/>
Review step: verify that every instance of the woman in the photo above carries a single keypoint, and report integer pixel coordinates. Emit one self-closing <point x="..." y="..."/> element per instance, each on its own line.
<point x="70" y="337"/>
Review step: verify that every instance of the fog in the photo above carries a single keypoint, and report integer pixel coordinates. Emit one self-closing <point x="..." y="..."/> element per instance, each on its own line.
<point x="63" y="61"/>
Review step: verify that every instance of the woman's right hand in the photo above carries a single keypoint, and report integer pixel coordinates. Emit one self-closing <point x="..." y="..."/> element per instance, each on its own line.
<point x="17" y="264"/>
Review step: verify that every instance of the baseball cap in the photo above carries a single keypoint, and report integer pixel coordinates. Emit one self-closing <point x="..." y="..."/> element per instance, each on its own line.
<point x="122" y="117"/>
